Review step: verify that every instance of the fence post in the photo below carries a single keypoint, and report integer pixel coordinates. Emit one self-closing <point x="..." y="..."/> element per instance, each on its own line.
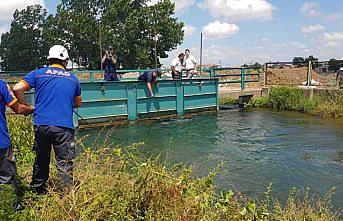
<point x="132" y="101"/>
<point x="242" y="79"/>
<point x="211" y="72"/>
<point x="265" y="75"/>
<point x="309" y="75"/>
<point x="91" y="76"/>
<point x="180" y="105"/>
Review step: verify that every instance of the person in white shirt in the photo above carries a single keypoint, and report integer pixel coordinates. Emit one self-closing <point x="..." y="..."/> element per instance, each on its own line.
<point x="177" y="66"/>
<point x="190" y="63"/>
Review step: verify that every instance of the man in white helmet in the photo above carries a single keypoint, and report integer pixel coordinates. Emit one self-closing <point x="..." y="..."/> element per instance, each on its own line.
<point x="57" y="93"/>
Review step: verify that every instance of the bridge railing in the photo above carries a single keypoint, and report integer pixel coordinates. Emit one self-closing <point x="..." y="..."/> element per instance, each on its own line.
<point x="240" y="76"/>
<point x="236" y="76"/>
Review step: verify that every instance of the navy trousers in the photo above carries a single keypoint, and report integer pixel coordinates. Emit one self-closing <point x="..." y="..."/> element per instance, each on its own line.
<point x="111" y="76"/>
<point x="8" y="168"/>
<point x="62" y="140"/>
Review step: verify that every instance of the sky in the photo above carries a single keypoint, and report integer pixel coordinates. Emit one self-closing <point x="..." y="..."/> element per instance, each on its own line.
<point x="244" y="31"/>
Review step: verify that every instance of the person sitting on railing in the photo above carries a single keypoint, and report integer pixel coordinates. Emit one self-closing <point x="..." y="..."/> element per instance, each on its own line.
<point x="177" y="66"/>
<point x="190" y="63"/>
<point x="109" y="60"/>
<point x="150" y="78"/>
<point x="339" y="78"/>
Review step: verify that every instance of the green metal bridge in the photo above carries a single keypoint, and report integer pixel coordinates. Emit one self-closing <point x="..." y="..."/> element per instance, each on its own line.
<point x="129" y="99"/>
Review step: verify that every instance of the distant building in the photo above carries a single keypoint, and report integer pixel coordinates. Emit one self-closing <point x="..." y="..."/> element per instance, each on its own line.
<point x="322" y="69"/>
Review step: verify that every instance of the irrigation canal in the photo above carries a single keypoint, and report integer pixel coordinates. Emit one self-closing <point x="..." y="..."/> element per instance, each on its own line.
<point x="256" y="147"/>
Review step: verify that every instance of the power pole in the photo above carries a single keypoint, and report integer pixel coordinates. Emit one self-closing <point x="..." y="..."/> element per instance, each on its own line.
<point x="200" y="53"/>
<point x="100" y="46"/>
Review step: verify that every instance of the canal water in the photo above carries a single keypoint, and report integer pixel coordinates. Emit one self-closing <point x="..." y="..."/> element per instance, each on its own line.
<point x="255" y="147"/>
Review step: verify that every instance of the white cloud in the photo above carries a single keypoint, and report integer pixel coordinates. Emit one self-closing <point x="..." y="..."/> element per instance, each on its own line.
<point x="235" y="10"/>
<point x="188" y="30"/>
<point x="333" y="17"/>
<point x="217" y="30"/>
<point x="332" y="44"/>
<point x="264" y="39"/>
<point x="333" y="37"/>
<point x="310" y="9"/>
<point x="183" y="5"/>
<point x="312" y="28"/>
<point x="299" y="45"/>
<point x="180" y="5"/>
<point x="8" y="7"/>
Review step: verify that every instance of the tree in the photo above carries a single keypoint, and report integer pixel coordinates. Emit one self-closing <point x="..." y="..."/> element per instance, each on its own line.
<point x="129" y="26"/>
<point x="137" y="27"/>
<point x="21" y="47"/>
<point x="312" y="59"/>
<point x="299" y="61"/>
<point x="334" y="65"/>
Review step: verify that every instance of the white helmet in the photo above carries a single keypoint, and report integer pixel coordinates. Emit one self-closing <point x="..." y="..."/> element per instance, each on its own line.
<point x="58" y="52"/>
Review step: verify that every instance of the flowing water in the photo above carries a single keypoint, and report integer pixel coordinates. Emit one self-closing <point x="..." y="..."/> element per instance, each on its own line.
<point x="256" y="147"/>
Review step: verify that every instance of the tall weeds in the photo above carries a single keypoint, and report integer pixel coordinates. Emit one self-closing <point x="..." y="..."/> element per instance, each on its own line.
<point x="327" y="103"/>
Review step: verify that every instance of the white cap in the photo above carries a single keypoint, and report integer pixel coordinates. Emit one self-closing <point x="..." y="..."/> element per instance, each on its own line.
<point x="58" y="52"/>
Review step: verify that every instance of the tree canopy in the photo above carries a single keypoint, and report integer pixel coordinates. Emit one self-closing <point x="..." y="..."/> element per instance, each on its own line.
<point x="134" y="30"/>
<point x="21" y="48"/>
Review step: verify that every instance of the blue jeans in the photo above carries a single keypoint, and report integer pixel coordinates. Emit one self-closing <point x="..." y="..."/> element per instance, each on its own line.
<point x="111" y="76"/>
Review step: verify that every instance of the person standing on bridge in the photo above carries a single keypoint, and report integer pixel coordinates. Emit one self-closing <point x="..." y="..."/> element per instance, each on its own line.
<point x="150" y="78"/>
<point x="110" y="60"/>
<point x="339" y="78"/>
<point x="190" y="63"/>
<point x="177" y="66"/>
<point x="57" y="93"/>
<point x="7" y="164"/>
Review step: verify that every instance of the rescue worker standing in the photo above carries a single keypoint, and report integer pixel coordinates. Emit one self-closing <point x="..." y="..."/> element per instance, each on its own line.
<point x="109" y="60"/>
<point x="57" y="93"/>
<point x="7" y="164"/>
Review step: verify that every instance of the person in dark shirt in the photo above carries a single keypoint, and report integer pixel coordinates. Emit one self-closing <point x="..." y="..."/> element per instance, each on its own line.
<point x="109" y="60"/>
<point x="150" y="78"/>
<point x="339" y="78"/>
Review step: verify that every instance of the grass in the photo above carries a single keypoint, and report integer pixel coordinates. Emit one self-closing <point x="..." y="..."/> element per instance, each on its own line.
<point x="122" y="184"/>
<point x="328" y="104"/>
<point x="228" y="101"/>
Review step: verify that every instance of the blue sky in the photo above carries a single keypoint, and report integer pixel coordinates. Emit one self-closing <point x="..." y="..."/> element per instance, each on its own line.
<point x="245" y="31"/>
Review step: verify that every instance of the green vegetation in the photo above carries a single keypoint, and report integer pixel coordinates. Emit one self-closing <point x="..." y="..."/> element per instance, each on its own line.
<point x="121" y="184"/>
<point x="228" y="101"/>
<point x="84" y="26"/>
<point x="325" y="103"/>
